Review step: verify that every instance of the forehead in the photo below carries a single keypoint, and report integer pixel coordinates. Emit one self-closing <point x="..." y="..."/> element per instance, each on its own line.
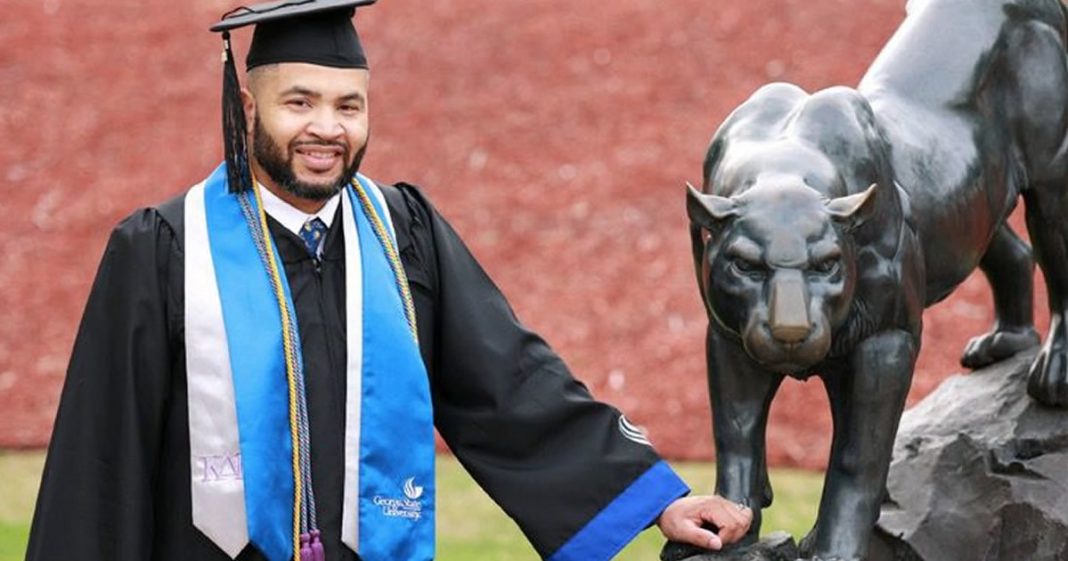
<point x="753" y="162"/>
<point x="323" y="80"/>
<point x="786" y="221"/>
<point x="779" y="202"/>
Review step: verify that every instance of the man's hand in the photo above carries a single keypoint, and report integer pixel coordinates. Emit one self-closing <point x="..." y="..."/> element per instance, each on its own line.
<point x="682" y="521"/>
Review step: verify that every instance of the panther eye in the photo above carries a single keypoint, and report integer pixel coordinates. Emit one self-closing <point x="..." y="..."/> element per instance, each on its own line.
<point x="747" y="267"/>
<point x="827" y="266"/>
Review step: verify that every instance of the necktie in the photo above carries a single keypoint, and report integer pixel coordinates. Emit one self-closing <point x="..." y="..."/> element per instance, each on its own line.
<point x="312" y="232"/>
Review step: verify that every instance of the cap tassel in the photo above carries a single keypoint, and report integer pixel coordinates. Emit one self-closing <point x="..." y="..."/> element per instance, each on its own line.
<point x="235" y="129"/>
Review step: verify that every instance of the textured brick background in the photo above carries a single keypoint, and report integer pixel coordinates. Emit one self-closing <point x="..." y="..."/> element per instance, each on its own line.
<point x="556" y="136"/>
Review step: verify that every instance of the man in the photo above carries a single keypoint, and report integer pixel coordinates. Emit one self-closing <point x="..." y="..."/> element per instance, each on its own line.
<point x="262" y="360"/>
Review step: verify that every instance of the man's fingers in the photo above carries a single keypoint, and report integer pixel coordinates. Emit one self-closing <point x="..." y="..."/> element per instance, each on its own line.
<point x="695" y="535"/>
<point x="731" y="533"/>
<point x="722" y="513"/>
<point x="733" y="522"/>
<point x="682" y="521"/>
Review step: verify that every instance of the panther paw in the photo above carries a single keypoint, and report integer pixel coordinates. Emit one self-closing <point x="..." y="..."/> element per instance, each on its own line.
<point x="1048" y="380"/>
<point x="997" y="345"/>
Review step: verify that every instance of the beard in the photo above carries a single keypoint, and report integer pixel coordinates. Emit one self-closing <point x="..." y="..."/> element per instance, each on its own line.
<point x="278" y="165"/>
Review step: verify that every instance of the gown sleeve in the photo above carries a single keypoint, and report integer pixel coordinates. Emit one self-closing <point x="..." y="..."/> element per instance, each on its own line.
<point x="578" y="480"/>
<point x="96" y="497"/>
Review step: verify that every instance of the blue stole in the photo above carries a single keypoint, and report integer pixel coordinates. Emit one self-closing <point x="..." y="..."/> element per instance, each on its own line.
<point x="388" y="511"/>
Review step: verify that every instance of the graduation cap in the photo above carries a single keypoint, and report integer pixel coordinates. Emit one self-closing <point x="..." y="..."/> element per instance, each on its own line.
<point x="311" y="31"/>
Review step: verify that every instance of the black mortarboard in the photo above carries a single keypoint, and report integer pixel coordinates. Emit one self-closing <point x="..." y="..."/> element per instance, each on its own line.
<point x="313" y="31"/>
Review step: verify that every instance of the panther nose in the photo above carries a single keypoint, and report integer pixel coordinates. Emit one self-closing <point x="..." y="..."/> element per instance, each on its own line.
<point x="790" y="334"/>
<point x="788" y="315"/>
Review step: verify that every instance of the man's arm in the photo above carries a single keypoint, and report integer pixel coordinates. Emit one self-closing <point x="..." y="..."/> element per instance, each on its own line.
<point x="567" y="468"/>
<point x="96" y="496"/>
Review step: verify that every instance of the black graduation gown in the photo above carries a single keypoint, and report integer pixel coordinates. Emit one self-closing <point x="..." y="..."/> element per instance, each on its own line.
<point x="116" y="481"/>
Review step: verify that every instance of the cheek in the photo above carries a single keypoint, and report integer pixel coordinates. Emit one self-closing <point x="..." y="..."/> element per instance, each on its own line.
<point x="356" y="132"/>
<point x="833" y="296"/>
<point x="735" y="299"/>
<point x="281" y="128"/>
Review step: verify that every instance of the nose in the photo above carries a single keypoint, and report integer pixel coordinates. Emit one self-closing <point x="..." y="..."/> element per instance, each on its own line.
<point x="788" y="315"/>
<point x="326" y="125"/>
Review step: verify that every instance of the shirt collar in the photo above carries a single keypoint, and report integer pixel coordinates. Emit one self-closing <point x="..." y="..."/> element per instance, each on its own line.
<point x="293" y="218"/>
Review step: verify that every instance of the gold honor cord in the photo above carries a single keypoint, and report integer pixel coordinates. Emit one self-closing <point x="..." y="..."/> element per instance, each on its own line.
<point x="391" y="254"/>
<point x="291" y="367"/>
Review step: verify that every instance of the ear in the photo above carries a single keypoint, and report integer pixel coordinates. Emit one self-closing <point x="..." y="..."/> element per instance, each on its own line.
<point x="249" y="103"/>
<point x="851" y="210"/>
<point x="706" y="211"/>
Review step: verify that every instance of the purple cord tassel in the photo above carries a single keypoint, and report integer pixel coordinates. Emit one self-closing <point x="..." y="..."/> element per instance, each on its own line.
<point x="317" y="552"/>
<point x="305" y="547"/>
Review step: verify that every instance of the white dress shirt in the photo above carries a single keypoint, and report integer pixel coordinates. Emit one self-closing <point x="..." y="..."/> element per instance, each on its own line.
<point x="293" y="218"/>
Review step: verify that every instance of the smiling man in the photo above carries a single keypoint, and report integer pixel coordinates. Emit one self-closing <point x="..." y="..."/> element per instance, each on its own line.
<point x="263" y="359"/>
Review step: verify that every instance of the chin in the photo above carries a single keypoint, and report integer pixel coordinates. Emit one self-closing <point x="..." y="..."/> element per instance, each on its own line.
<point x="795" y="362"/>
<point x="796" y="371"/>
<point x="320" y="180"/>
<point x="324" y="186"/>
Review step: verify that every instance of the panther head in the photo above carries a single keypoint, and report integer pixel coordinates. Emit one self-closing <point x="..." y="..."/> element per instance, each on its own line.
<point x="777" y="266"/>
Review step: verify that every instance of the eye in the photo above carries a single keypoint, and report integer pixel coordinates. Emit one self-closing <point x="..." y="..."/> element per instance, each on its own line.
<point x="747" y="267"/>
<point x="827" y="266"/>
<point x="298" y="103"/>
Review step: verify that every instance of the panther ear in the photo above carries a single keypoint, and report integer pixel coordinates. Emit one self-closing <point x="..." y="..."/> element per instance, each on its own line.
<point x="706" y="211"/>
<point x="851" y="209"/>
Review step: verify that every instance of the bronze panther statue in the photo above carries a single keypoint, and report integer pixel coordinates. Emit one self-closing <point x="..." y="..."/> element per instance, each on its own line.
<point x="828" y="221"/>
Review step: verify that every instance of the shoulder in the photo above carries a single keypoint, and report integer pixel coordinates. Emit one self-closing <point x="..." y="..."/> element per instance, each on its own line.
<point x="413" y="219"/>
<point x="407" y="202"/>
<point x="412" y="214"/>
<point x="159" y="226"/>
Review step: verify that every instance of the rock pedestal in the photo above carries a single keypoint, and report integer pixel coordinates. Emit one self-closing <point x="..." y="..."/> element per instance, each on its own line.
<point x="779" y="546"/>
<point x="980" y="473"/>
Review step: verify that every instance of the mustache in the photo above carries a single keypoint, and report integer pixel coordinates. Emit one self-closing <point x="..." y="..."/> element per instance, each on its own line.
<point x="320" y="142"/>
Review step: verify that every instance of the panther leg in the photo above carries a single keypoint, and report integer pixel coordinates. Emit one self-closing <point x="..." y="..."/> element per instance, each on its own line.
<point x="741" y="393"/>
<point x="1046" y="208"/>
<point x="867" y="397"/>
<point x="1009" y="267"/>
<point x="1037" y="110"/>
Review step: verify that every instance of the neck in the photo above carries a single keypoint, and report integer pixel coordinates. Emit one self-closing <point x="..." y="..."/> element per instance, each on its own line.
<point x="307" y="206"/>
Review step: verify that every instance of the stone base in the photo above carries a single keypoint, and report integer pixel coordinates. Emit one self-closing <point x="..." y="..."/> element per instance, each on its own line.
<point x="885" y="547"/>
<point x="980" y="472"/>
<point x="779" y="546"/>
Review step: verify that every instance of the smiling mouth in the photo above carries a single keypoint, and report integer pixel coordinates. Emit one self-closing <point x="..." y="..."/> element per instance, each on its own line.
<point x="319" y="158"/>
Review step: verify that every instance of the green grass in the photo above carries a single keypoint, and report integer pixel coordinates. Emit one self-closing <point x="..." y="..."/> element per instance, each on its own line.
<point x="470" y="526"/>
<point x="20" y="475"/>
